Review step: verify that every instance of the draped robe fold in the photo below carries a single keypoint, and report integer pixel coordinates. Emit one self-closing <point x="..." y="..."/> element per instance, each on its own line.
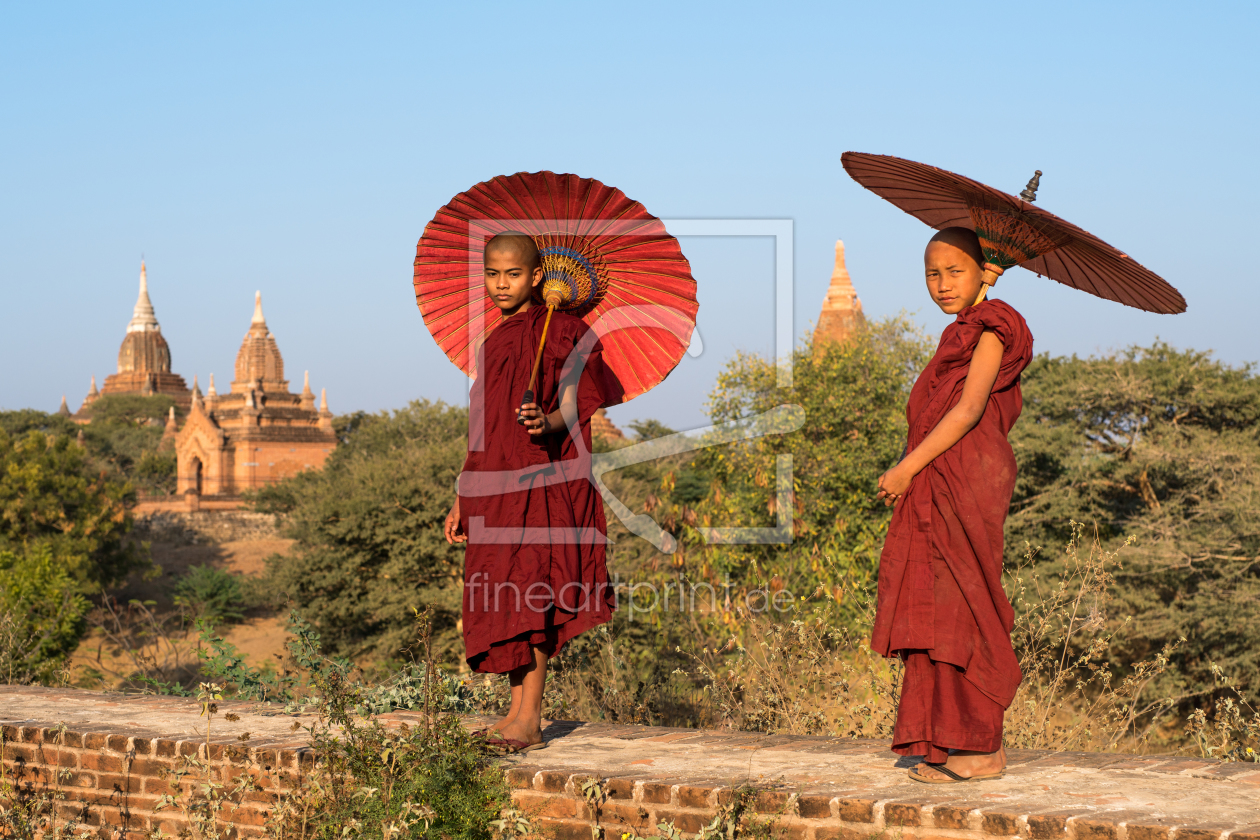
<point x="534" y="569"/>
<point x="941" y="606"/>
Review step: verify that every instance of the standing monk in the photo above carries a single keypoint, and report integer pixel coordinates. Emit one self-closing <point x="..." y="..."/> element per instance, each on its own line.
<point x="534" y="570"/>
<point x="941" y="607"/>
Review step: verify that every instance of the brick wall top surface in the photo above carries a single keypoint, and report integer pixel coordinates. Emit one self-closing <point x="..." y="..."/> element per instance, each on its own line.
<point x="804" y="780"/>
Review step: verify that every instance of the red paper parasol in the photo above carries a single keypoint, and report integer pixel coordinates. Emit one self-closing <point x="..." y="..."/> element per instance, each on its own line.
<point x="605" y="258"/>
<point x="1013" y="231"/>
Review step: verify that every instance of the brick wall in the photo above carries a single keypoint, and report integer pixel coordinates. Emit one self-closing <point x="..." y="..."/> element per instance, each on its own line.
<point x="205" y="526"/>
<point x="114" y="782"/>
<point x="114" y="757"/>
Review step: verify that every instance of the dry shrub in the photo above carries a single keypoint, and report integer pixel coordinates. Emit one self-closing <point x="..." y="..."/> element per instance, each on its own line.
<point x="799" y="674"/>
<point x="810" y="670"/>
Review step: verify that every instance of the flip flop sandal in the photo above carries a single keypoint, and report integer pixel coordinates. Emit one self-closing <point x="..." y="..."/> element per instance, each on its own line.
<point x="953" y="779"/>
<point x="511" y="746"/>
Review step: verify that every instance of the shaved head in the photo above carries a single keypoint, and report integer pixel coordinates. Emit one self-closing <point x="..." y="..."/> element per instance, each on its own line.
<point x="964" y="239"/>
<point x="517" y="244"/>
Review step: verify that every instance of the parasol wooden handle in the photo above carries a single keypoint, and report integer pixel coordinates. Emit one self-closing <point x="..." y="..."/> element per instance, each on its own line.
<point x="528" y="396"/>
<point x="987" y="279"/>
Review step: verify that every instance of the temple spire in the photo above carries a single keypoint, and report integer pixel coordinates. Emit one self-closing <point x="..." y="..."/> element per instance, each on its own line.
<point x="64" y="411"/>
<point x="841" y="310"/>
<point x="94" y="392"/>
<point x="142" y="318"/>
<point x="211" y="392"/>
<point x="258" y="319"/>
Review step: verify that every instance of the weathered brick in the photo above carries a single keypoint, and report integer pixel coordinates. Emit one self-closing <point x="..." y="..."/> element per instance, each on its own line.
<point x="619" y="788"/>
<point x="141" y="746"/>
<point x="655" y="793"/>
<point x="834" y="832"/>
<point x="551" y="781"/>
<point x="165" y="748"/>
<point x="1198" y="832"/>
<point x="563" y="829"/>
<point x="101" y="762"/>
<point x="1050" y="826"/>
<point x="246" y="815"/>
<point x="1094" y="829"/>
<point x="151" y="766"/>
<point x="814" y="807"/>
<point x="1147" y="829"/>
<point x="952" y="816"/>
<point x="118" y="743"/>
<point x="625" y="813"/>
<point x="28" y="753"/>
<point x="1251" y="832"/>
<point x="688" y="822"/>
<point x="521" y="777"/>
<point x="118" y="782"/>
<point x="694" y="796"/>
<point x="772" y="801"/>
<point x="189" y="749"/>
<point x="1000" y="823"/>
<point x="856" y="810"/>
<point x="794" y="830"/>
<point x="154" y="784"/>
<point x="32" y="734"/>
<point x="545" y="804"/>
<point x="73" y="740"/>
<point x="903" y="814"/>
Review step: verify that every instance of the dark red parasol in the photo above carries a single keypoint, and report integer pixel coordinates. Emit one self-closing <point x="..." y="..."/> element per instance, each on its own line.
<point x="605" y="258"/>
<point x="1013" y="231"/>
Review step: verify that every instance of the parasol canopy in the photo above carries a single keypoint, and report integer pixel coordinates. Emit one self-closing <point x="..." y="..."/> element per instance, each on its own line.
<point x="604" y="258"/>
<point x="1013" y="231"/>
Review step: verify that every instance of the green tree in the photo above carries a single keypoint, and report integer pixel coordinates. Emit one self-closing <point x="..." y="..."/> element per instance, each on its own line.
<point x="42" y="615"/>
<point x="50" y="495"/>
<point x="369" y="532"/>
<point x="1160" y="444"/>
<point x="854" y="395"/>
<point x="125" y="436"/>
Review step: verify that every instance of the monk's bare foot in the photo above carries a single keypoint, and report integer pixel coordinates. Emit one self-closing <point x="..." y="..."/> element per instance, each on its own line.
<point x="967" y="763"/>
<point x="518" y="731"/>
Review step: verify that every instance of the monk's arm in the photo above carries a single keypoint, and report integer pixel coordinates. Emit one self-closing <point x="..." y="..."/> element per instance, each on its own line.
<point x="962" y="418"/>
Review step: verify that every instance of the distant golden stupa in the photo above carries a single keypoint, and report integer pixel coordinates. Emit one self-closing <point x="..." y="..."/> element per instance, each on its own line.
<point x="842" y="309"/>
<point x="601" y="426"/>
<point x="144" y="359"/>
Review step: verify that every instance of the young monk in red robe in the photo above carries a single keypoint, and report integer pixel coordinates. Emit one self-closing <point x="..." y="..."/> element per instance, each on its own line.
<point x="941" y="607"/>
<point x="534" y="570"/>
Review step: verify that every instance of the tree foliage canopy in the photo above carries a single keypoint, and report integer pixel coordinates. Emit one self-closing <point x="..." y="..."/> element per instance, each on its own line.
<point x="369" y="529"/>
<point x="854" y="395"/>
<point x="50" y="495"/>
<point x="1159" y="444"/>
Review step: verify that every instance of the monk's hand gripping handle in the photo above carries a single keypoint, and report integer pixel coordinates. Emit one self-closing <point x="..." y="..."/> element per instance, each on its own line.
<point x="526" y="399"/>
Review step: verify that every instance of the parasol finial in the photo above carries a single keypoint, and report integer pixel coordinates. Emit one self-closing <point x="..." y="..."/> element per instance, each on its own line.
<point x="1030" y="192"/>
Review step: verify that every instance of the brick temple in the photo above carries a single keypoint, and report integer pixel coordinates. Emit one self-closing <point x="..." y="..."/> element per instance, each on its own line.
<point x="256" y="434"/>
<point x="144" y="361"/>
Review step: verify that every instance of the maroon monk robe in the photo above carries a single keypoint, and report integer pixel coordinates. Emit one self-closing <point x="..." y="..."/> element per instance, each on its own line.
<point x="534" y="568"/>
<point x="941" y="605"/>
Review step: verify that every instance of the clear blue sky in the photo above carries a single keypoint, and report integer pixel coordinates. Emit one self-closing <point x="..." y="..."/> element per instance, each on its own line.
<point x="301" y="148"/>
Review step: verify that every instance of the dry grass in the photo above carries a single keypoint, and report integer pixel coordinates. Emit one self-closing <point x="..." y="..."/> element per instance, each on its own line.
<point x="807" y="671"/>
